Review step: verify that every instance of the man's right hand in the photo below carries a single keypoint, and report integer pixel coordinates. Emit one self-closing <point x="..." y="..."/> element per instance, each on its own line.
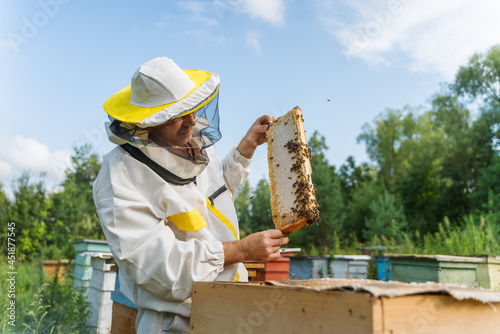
<point x="261" y="246"/>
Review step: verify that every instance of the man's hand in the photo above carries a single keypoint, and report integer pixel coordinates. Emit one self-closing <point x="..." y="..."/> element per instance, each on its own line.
<point x="255" y="136"/>
<point x="261" y="246"/>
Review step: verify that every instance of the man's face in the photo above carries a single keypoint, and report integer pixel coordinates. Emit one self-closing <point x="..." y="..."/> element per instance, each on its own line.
<point x="177" y="132"/>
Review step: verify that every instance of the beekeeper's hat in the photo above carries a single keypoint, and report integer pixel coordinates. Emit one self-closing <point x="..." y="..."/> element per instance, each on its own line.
<point x="160" y="91"/>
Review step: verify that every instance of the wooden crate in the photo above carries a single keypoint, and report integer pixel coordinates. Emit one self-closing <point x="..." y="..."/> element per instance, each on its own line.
<point x="435" y="268"/>
<point x="124" y="312"/>
<point x="123" y="319"/>
<point x="342" y="306"/>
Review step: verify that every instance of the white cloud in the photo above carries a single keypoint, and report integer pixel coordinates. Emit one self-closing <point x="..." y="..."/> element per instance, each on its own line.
<point x="200" y="11"/>
<point x="27" y="154"/>
<point x="212" y="12"/>
<point x="271" y="11"/>
<point x="253" y="41"/>
<point x="5" y="170"/>
<point x="436" y="36"/>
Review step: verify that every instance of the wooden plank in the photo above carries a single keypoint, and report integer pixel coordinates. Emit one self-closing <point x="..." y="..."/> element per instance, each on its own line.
<point x="488" y="275"/>
<point x="89" y="245"/>
<point x="219" y="307"/>
<point x="272" y="276"/>
<point x="82" y="260"/>
<point x="414" y="271"/>
<point x="494" y="270"/>
<point x="254" y="265"/>
<point x="247" y="308"/>
<point x="103" y="264"/>
<point x="253" y="273"/>
<point x="278" y="266"/>
<point x="100" y="307"/>
<point x="103" y="280"/>
<point x="123" y="319"/>
<point x="466" y="276"/>
<point x="439" y="314"/>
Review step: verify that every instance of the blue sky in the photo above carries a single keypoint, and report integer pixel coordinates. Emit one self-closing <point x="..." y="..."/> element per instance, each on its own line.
<point x="61" y="59"/>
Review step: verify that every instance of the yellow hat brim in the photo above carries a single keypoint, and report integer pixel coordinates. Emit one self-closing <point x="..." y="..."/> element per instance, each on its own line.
<point x="119" y="107"/>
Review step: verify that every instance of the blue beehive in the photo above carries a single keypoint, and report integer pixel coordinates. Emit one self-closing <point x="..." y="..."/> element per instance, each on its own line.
<point x="383" y="268"/>
<point x="83" y="269"/>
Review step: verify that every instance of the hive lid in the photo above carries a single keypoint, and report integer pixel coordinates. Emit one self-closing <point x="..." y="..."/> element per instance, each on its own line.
<point x="440" y="258"/>
<point x="392" y="289"/>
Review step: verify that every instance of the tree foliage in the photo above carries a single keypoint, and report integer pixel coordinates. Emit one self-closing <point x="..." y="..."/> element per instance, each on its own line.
<point x="73" y="212"/>
<point x="427" y="166"/>
<point x="47" y="223"/>
<point x="432" y="171"/>
<point x="480" y="78"/>
<point x="29" y="212"/>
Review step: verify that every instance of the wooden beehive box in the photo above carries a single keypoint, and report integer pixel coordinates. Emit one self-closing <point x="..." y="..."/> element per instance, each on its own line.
<point x="55" y="268"/>
<point x="349" y="266"/>
<point x="488" y="274"/>
<point x="307" y="267"/>
<point x="435" y="268"/>
<point x="273" y="270"/>
<point x="83" y="270"/>
<point x="104" y="271"/>
<point x="342" y="306"/>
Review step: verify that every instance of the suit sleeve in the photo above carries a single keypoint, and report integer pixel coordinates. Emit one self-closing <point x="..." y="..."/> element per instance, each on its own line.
<point x="236" y="169"/>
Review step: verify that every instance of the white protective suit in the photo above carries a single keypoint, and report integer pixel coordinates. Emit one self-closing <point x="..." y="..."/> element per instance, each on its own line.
<point x="165" y="237"/>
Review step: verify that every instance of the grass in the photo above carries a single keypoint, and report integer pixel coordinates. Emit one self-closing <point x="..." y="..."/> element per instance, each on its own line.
<point x="476" y="235"/>
<point x="43" y="304"/>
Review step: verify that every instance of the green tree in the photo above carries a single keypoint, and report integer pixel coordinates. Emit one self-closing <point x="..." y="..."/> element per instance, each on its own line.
<point x="4" y="206"/>
<point x="73" y="215"/>
<point x="4" y="217"/>
<point x="358" y="207"/>
<point x="29" y="211"/>
<point x="479" y="81"/>
<point x="488" y="187"/>
<point x="390" y="142"/>
<point x="387" y="219"/>
<point x="480" y="78"/>
<point x="242" y="206"/>
<point x="260" y="211"/>
<point x="352" y="176"/>
<point x="328" y="195"/>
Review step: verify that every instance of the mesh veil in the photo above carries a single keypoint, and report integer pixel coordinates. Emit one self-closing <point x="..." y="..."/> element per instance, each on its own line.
<point x="205" y="133"/>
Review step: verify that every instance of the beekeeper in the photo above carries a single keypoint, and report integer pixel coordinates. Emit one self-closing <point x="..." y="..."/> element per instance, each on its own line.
<point x="164" y="200"/>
